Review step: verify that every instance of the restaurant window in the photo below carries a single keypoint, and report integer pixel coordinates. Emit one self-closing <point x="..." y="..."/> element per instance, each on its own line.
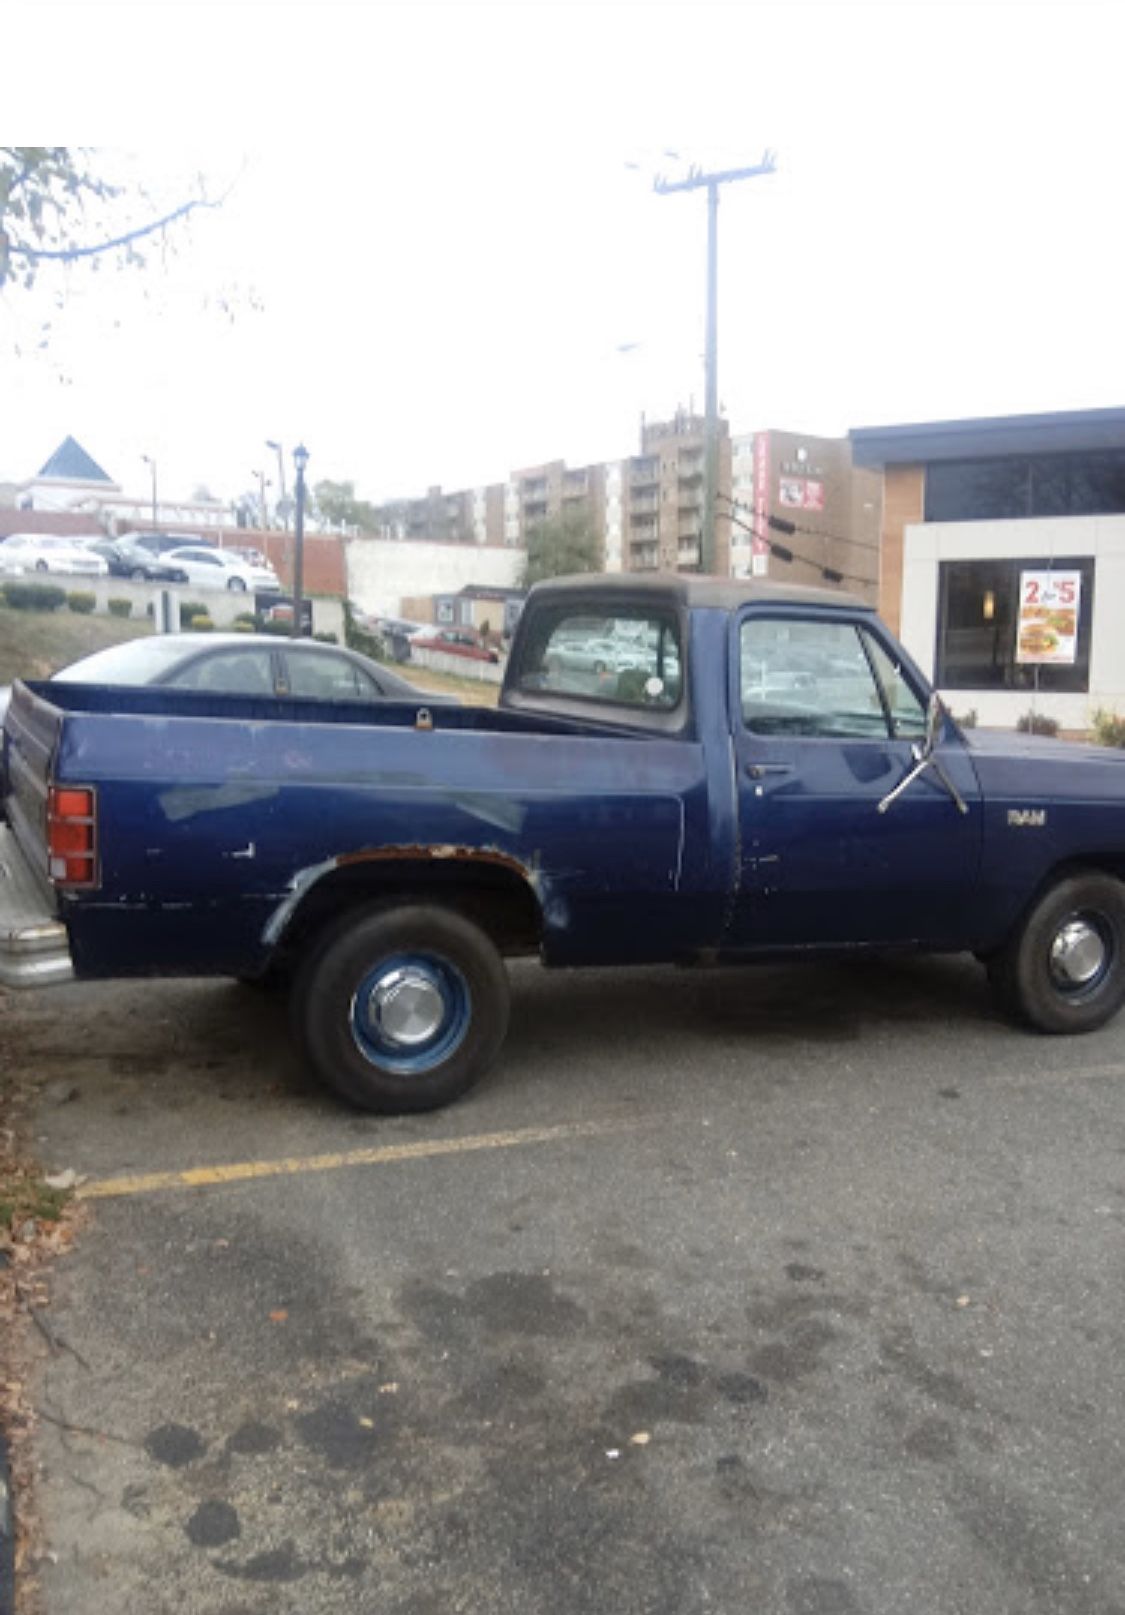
<point x="979" y="622"/>
<point x="1014" y="486"/>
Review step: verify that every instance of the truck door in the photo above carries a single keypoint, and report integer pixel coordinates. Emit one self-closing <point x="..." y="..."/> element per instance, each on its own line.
<point x="825" y="717"/>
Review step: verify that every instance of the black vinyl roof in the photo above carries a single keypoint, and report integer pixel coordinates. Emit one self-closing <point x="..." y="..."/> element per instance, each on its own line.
<point x="725" y="594"/>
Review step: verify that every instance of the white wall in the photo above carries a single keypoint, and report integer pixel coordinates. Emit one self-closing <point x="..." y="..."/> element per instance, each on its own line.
<point x="381" y="572"/>
<point x="927" y="544"/>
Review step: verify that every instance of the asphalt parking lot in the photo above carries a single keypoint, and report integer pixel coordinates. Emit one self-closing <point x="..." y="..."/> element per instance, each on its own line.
<point x="793" y="1291"/>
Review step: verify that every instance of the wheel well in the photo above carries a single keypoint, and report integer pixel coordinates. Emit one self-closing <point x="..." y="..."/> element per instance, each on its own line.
<point x="494" y="896"/>
<point x="1108" y="863"/>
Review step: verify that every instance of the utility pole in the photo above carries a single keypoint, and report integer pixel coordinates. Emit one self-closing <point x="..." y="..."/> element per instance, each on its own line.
<point x="697" y="181"/>
<point x="151" y="463"/>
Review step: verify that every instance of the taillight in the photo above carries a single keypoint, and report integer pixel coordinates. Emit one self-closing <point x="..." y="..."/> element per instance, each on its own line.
<point x="72" y="847"/>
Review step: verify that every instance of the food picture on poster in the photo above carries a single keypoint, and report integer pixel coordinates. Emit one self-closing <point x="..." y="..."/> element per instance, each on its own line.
<point x="1047" y="625"/>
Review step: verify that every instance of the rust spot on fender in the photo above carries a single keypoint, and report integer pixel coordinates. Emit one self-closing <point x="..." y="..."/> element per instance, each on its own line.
<point x="438" y="852"/>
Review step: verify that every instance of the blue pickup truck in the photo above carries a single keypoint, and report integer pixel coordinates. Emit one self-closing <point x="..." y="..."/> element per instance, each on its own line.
<point x="680" y="770"/>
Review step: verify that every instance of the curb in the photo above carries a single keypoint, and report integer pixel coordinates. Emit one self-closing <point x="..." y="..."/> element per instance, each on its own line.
<point x="7" y="1536"/>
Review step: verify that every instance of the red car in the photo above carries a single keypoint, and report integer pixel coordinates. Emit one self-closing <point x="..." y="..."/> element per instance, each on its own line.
<point x="454" y="642"/>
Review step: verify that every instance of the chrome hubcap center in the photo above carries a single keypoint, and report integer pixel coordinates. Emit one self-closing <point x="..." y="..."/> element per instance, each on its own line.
<point x="1078" y="953"/>
<point x="406" y="1008"/>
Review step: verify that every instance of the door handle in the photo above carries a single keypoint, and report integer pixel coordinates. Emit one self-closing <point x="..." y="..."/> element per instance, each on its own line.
<point x="760" y="770"/>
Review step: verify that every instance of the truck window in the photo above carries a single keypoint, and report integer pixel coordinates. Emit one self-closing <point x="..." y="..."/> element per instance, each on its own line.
<point x="800" y="677"/>
<point x="630" y="658"/>
<point x="907" y="714"/>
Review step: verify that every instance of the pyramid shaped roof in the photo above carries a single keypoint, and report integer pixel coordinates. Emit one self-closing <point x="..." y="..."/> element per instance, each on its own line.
<point x="70" y="461"/>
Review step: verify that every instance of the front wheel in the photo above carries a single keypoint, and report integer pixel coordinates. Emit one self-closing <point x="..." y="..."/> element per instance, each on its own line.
<point x="1064" y="969"/>
<point x="41" y="566"/>
<point x="402" y="1008"/>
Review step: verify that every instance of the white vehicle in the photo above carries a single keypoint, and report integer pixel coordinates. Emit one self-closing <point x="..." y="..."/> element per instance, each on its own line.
<point x="44" y="552"/>
<point x="10" y="567"/>
<point x="221" y="569"/>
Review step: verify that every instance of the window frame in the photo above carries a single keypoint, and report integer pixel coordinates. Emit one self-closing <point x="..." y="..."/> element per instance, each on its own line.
<point x="1042" y="677"/>
<point x="867" y="629"/>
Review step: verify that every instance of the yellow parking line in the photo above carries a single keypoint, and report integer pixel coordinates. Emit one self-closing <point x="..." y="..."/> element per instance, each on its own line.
<point x="198" y="1177"/>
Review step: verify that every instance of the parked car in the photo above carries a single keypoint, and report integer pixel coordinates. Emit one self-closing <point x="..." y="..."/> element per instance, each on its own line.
<point x="244" y="664"/>
<point x="454" y="642"/>
<point x="393" y="860"/>
<point x="128" y="560"/>
<point x="157" y="543"/>
<point x="46" y="552"/>
<point x="219" y="569"/>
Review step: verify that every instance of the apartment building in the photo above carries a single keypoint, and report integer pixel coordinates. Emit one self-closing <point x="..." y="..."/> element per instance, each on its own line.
<point x="540" y="492"/>
<point x="789" y="506"/>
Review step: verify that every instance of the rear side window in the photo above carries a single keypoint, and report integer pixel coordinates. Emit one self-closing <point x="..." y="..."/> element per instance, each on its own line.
<point x="237" y="672"/>
<point x="329" y="678"/>
<point x="628" y="658"/>
<point x="801" y="677"/>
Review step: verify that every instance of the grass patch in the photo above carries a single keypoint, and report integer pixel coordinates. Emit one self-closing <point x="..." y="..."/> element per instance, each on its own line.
<point x="24" y="1196"/>
<point x="35" y="644"/>
<point x="473" y="692"/>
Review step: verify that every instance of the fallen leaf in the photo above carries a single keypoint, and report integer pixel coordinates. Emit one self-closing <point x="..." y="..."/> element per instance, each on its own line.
<point x="962" y="1300"/>
<point x="279" y="1315"/>
<point x="389" y="1389"/>
<point x="641" y="1439"/>
<point x="613" y="1452"/>
<point x="368" y="1424"/>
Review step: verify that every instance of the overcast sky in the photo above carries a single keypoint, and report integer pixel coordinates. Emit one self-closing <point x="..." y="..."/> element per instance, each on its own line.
<point x="443" y="258"/>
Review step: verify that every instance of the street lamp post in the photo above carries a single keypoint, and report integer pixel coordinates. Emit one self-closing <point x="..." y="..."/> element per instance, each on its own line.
<point x="283" y="502"/>
<point x="151" y="463"/>
<point x="300" y="460"/>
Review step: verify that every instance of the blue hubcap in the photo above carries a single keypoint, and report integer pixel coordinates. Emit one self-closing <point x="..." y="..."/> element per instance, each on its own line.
<point x="410" y="1012"/>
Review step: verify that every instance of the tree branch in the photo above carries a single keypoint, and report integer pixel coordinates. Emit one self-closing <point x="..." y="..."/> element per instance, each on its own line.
<point x="68" y="254"/>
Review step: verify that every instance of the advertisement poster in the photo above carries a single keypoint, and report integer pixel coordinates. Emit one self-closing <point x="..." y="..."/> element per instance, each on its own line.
<point x="1047" y="624"/>
<point x="799" y="493"/>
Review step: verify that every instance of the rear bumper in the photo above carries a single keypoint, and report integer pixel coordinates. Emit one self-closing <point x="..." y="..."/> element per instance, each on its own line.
<point x="34" y="950"/>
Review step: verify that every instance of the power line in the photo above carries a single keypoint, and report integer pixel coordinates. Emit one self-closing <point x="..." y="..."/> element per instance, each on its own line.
<point x="830" y="574"/>
<point x="782" y="524"/>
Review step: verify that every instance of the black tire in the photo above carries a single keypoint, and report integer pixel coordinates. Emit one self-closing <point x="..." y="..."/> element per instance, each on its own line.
<point x="138" y="574"/>
<point x="236" y="586"/>
<point x="1063" y="970"/>
<point x="449" y="965"/>
<point x="41" y="566"/>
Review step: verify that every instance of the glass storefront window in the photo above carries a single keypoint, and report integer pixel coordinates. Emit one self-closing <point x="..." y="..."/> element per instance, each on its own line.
<point x="1091" y="484"/>
<point x="976" y="636"/>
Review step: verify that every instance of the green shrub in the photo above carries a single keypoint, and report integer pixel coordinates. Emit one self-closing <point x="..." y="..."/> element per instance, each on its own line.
<point x="326" y="639"/>
<point x="1037" y="723"/>
<point x="270" y="625"/>
<point x="200" y="623"/>
<point x="245" y="619"/>
<point x="1109" y="728"/>
<point x="240" y="627"/>
<point x="966" y="720"/>
<point x="34" y="596"/>
<point x="119" y="607"/>
<point x="193" y="608"/>
<point x="82" y="602"/>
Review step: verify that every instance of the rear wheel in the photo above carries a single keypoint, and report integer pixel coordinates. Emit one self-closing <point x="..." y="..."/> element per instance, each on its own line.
<point x="41" y="566"/>
<point x="236" y="585"/>
<point x="402" y="1008"/>
<point x="1064" y="969"/>
<point x="138" y="574"/>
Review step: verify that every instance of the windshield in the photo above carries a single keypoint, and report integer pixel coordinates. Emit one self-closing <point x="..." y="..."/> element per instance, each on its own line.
<point x="138" y="661"/>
